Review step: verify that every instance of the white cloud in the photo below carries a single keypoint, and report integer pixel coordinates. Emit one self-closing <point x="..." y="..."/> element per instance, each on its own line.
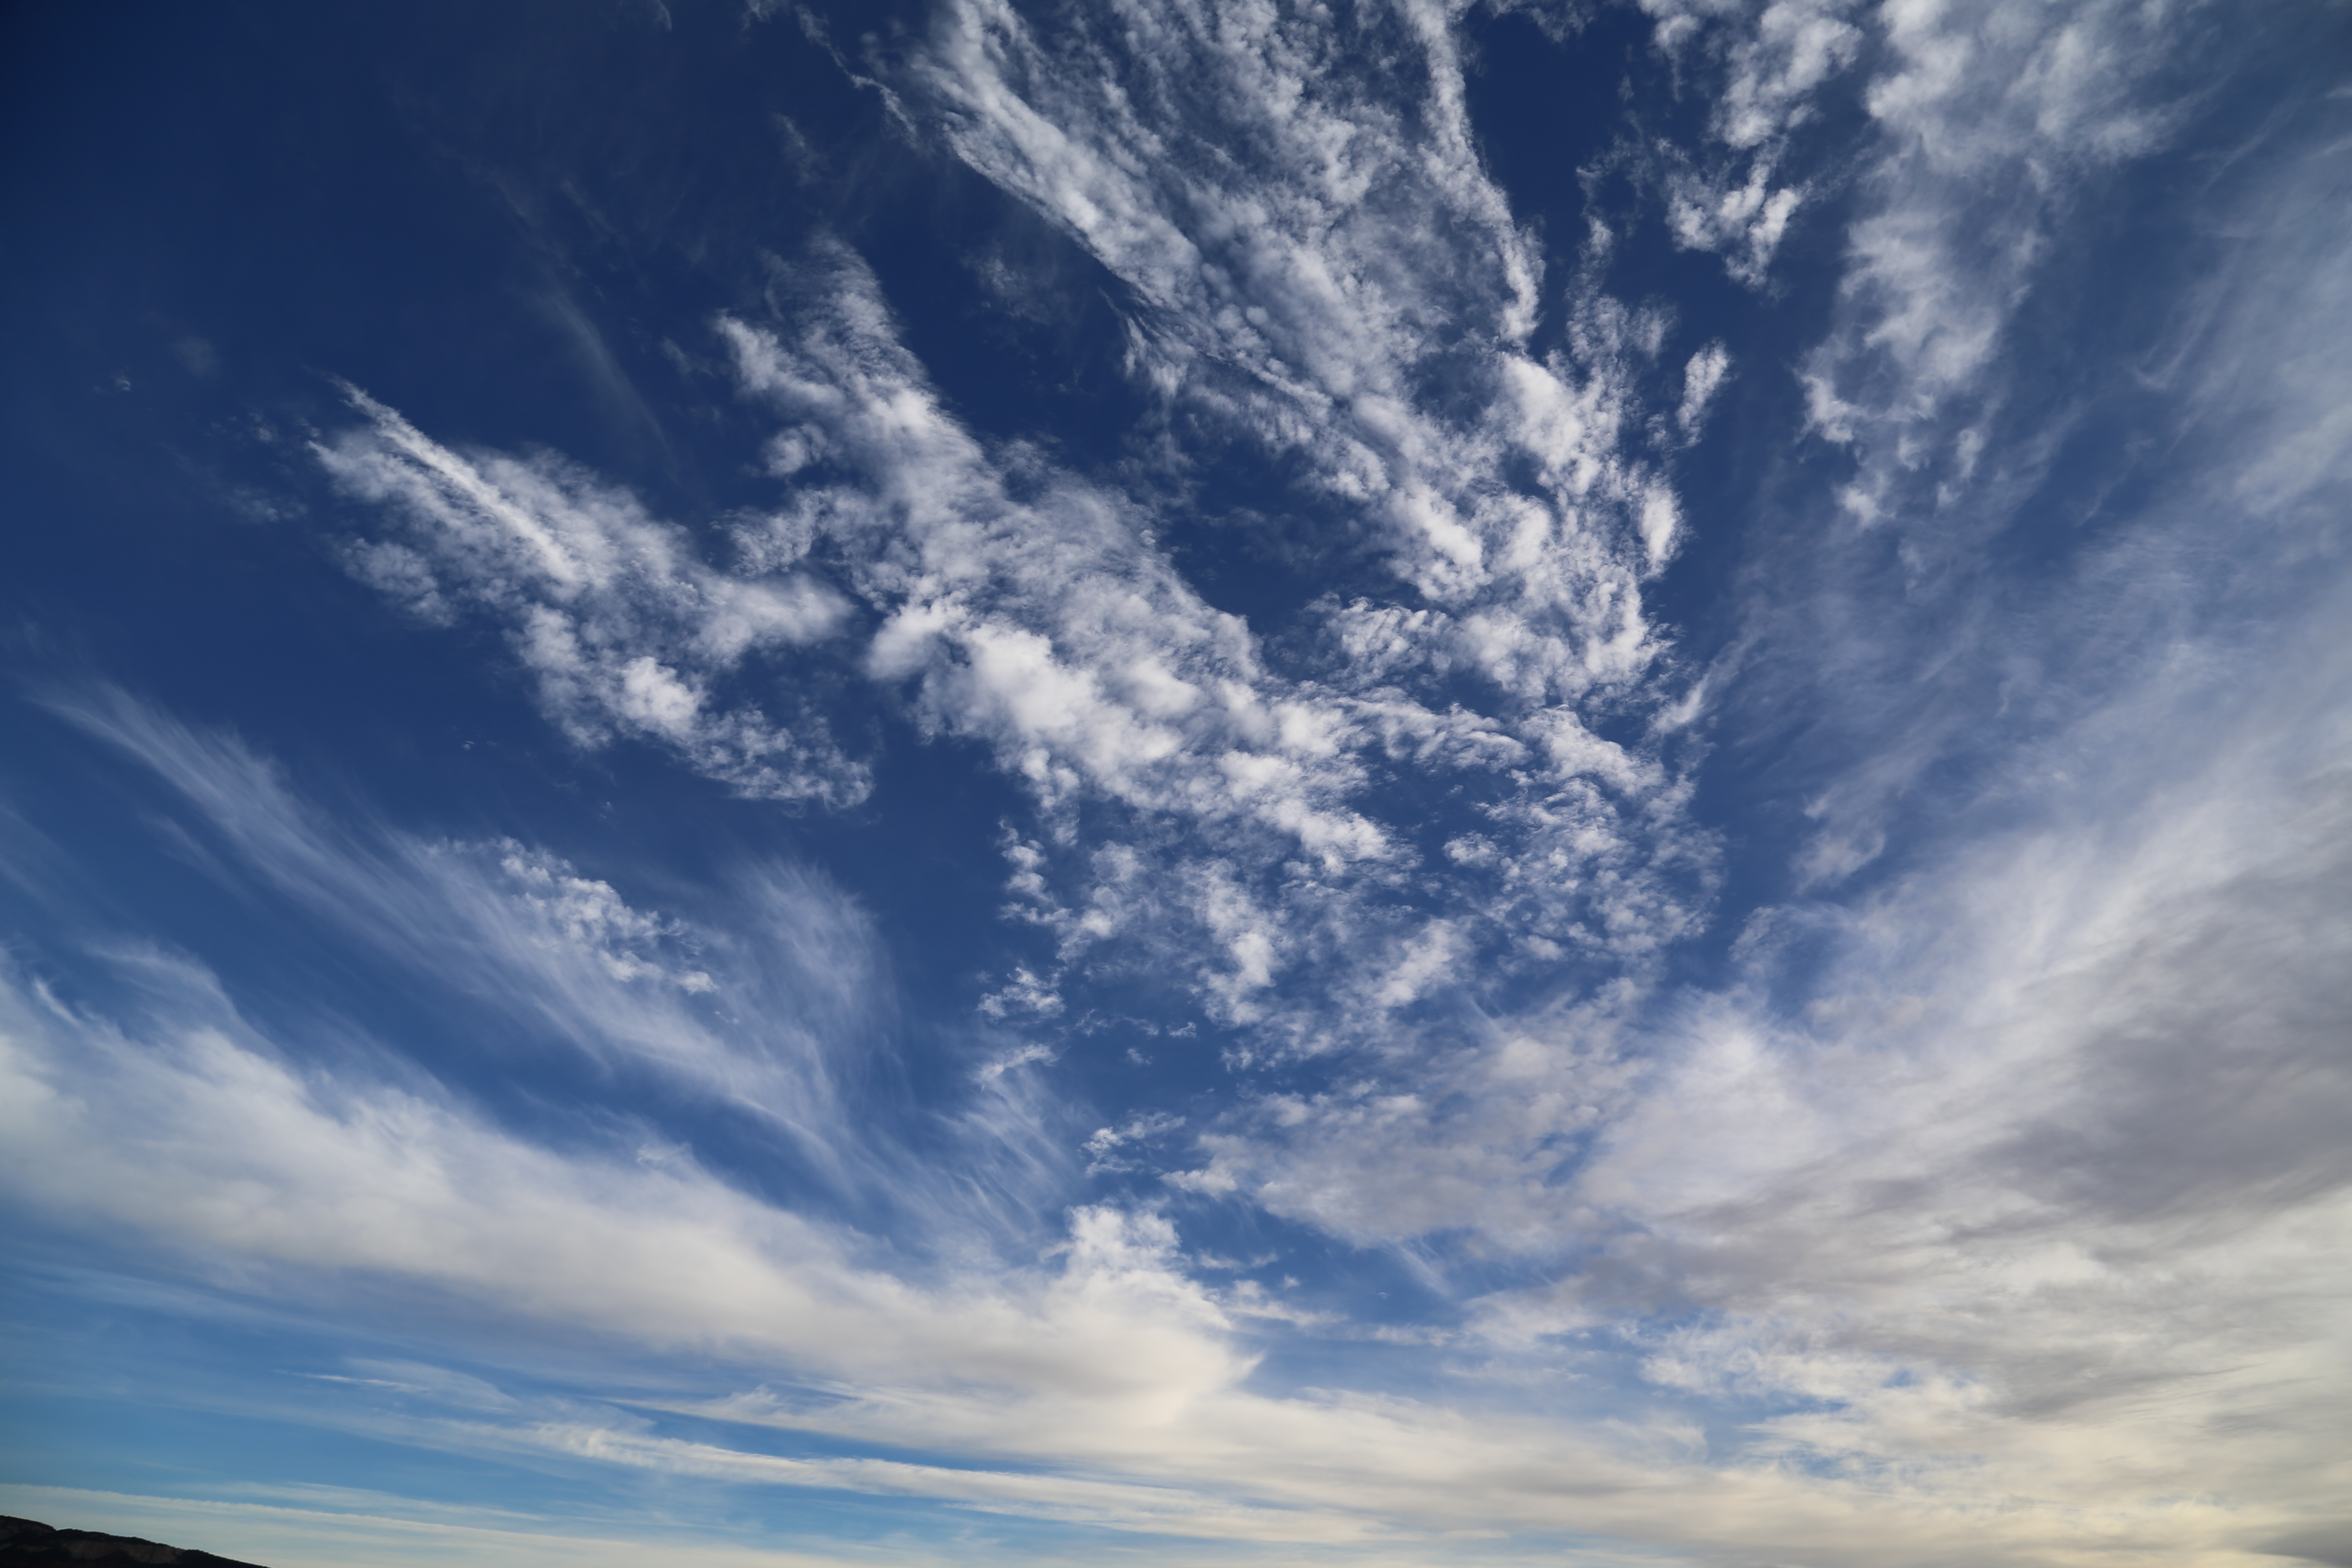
<point x="1887" y="1223"/>
<point x="623" y="625"/>
<point x="1991" y="120"/>
<point x="201" y="1135"/>
<point x="1764" y="66"/>
<point x="2043" y="1195"/>
<point x="1317" y="255"/>
<point x="1703" y="377"/>
<point x="2040" y="1195"/>
<point x="2033" y="1192"/>
<point x="1314" y="295"/>
<point x="771" y="1004"/>
<point x="1029" y="609"/>
<point x="1746" y="219"/>
<point x="1024" y="994"/>
<point x="1971" y="204"/>
<point x="1103" y="1145"/>
<point x="1048" y="627"/>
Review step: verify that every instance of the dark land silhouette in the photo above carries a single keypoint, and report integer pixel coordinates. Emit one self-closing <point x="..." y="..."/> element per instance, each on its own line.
<point x="29" y="1543"/>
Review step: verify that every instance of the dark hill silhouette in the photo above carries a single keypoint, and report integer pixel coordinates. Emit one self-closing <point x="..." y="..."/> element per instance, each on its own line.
<point x="29" y="1543"/>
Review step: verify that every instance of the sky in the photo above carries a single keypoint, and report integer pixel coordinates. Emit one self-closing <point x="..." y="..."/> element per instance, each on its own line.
<point x="1202" y="783"/>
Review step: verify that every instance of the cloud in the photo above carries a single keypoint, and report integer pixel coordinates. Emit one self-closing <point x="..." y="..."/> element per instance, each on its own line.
<point x="1976" y="200"/>
<point x="775" y="1003"/>
<point x="1765" y="68"/>
<point x="1100" y="1385"/>
<point x="2036" y="1189"/>
<point x="2003" y="1165"/>
<point x="1021" y="606"/>
<point x="621" y="624"/>
<point x="1029" y="609"/>
<point x="1703" y="377"/>
<point x="1315" y="261"/>
<point x="201" y="1135"/>
<point x="2015" y="1174"/>
<point x="1047" y="626"/>
<point x="1102" y="1146"/>
<point x="1990" y="122"/>
<point x="1316" y="257"/>
<point x="2047" y="1170"/>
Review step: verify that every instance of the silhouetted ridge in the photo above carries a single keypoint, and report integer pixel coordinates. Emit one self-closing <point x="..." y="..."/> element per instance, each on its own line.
<point x="29" y="1543"/>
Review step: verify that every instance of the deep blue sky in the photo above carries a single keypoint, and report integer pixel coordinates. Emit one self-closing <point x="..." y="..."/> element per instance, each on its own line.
<point x="1387" y="783"/>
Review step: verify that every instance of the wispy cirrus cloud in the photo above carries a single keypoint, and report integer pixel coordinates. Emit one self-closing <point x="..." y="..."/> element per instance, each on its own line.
<point x="2013" y="1175"/>
<point x="621" y="625"/>
<point x="1104" y="1362"/>
<point x="1043" y="620"/>
<point x="1972" y="209"/>
<point x="1987" y="1206"/>
<point x="1765" y="68"/>
<point x="775" y="1003"/>
<point x="197" y="1131"/>
<point x="1990" y="123"/>
<point x="1317" y="255"/>
<point x="1107" y="1366"/>
<point x="1872" y="1223"/>
<point x="1029" y="608"/>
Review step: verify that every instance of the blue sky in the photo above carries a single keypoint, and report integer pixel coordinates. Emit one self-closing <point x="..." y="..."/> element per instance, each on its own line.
<point x="1209" y="783"/>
